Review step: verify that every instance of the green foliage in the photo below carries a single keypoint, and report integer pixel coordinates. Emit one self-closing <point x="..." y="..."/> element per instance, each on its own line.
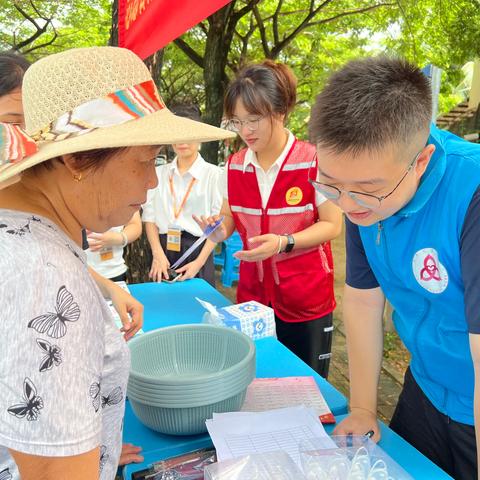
<point x="76" y="24"/>
<point x="442" y="32"/>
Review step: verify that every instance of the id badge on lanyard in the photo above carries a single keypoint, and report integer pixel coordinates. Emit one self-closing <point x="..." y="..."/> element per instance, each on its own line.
<point x="106" y="253"/>
<point x="174" y="234"/>
<point x="174" y="238"/>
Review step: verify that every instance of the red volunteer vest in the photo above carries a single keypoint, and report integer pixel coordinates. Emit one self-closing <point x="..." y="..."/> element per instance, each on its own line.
<point x="299" y="284"/>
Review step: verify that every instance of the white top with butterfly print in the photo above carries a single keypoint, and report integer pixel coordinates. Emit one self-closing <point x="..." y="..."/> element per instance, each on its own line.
<point x="64" y="364"/>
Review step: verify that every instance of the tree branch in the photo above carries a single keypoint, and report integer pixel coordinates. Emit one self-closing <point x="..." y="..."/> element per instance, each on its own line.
<point x="351" y="12"/>
<point x="278" y="47"/>
<point x="26" y="15"/>
<point x="189" y="52"/>
<point x="244" y="50"/>
<point x="236" y="16"/>
<point x="276" y="38"/>
<point x="203" y="27"/>
<point x="39" y="30"/>
<point x="243" y="11"/>
<point x="409" y="27"/>
<point x="38" y="12"/>
<point x="36" y="47"/>
<point x="263" y="33"/>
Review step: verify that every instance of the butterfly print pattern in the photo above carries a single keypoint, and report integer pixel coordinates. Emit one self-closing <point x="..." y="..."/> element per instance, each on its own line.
<point x="19" y="231"/>
<point x="54" y="324"/>
<point x="95" y="394"/>
<point x="113" y="398"/>
<point x="103" y="456"/>
<point x="53" y="355"/>
<point x="5" y="474"/>
<point x="32" y="403"/>
<point x="74" y="252"/>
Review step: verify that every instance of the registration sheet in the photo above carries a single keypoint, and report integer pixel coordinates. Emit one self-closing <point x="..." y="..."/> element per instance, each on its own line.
<point x="237" y="434"/>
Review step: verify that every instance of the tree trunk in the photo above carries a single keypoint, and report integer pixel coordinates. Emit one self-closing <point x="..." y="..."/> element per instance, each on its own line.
<point x="113" y="40"/>
<point x="138" y="257"/>
<point x="155" y="63"/>
<point x="215" y="61"/>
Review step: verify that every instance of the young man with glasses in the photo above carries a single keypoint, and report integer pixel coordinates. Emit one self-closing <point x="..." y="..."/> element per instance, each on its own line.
<point x="410" y="193"/>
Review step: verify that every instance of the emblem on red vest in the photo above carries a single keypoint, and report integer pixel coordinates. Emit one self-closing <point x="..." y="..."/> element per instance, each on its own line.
<point x="294" y="196"/>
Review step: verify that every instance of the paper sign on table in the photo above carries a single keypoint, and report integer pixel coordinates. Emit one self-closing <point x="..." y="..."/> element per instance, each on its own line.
<point x="270" y="393"/>
<point x="237" y="434"/>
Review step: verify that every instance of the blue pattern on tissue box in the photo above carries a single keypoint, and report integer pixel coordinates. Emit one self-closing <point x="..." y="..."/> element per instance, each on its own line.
<point x="252" y="318"/>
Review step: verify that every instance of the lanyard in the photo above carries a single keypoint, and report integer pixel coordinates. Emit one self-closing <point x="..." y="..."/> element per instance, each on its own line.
<point x="176" y="213"/>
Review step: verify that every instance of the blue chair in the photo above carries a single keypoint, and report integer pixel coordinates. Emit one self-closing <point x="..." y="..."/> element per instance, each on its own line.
<point x="219" y="255"/>
<point x="231" y="266"/>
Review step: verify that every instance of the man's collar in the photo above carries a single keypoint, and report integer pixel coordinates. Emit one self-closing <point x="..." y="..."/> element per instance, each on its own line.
<point x="432" y="176"/>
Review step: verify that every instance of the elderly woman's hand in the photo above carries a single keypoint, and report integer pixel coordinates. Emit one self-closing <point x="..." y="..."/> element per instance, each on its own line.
<point x="129" y="309"/>
<point x="130" y="454"/>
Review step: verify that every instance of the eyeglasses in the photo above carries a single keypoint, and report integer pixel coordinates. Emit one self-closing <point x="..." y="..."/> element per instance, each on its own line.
<point x="236" y="124"/>
<point x="366" y="200"/>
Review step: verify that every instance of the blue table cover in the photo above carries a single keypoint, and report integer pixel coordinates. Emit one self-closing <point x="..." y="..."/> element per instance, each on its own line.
<point x="172" y="304"/>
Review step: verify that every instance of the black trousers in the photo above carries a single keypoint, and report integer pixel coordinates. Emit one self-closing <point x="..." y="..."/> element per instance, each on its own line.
<point x="311" y="341"/>
<point x="119" y="278"/>
<point x="207" y="272"/>
<point x="449" y="444"/>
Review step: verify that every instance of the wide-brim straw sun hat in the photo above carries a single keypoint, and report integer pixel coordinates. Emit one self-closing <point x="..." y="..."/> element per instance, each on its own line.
<point x="90" y="98"/>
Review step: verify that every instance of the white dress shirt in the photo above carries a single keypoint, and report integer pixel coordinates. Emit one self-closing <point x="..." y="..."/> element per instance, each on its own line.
<point x="113" y="267"/>
<point x="266" y="179"/>
<point x="205" y="197"/>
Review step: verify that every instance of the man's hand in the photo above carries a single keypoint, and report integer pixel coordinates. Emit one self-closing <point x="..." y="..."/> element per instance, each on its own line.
<point x="359" y="422"/>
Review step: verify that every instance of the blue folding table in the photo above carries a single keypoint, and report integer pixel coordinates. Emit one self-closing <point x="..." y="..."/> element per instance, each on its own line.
<point x="173" y="304"/>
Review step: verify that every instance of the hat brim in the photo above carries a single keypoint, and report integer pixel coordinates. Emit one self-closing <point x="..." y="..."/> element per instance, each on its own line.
<point x="159" y="128"/>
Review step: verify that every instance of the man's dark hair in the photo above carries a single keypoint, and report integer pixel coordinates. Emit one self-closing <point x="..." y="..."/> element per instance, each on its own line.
<point x="371" y="103"/>
<point x="12" y="68"/>
<point x="187" y="110"/>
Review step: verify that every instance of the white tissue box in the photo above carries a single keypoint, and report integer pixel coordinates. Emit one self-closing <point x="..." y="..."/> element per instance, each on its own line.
<point x="252" y="318"/>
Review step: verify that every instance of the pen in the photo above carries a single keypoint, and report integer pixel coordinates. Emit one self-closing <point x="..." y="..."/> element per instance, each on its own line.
<point x="369" y="434"/>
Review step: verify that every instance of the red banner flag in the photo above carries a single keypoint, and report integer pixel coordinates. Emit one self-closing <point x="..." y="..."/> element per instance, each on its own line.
<point x="145" y="26"/>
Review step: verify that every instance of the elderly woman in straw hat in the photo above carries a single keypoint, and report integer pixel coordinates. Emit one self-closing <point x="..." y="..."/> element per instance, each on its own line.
<point x="12" y="69"/>
<point x="94" y="121"/>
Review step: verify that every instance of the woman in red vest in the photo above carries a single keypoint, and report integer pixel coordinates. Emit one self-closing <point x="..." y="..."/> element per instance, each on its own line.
<point x="285" y="226"/>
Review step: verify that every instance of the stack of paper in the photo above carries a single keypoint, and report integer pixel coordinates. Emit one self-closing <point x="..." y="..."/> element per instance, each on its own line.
<point x="237" y="434"/>
<point x="270" y="393"/>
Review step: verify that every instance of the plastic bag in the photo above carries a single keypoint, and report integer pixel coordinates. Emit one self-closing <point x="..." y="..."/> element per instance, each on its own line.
<point x="265" y="466"/>
<point x="356" y="458"/>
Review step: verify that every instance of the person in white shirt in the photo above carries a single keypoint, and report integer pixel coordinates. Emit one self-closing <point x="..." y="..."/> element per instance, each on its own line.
<point x="188" y="186"/>
<point x="105" y="252"/>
